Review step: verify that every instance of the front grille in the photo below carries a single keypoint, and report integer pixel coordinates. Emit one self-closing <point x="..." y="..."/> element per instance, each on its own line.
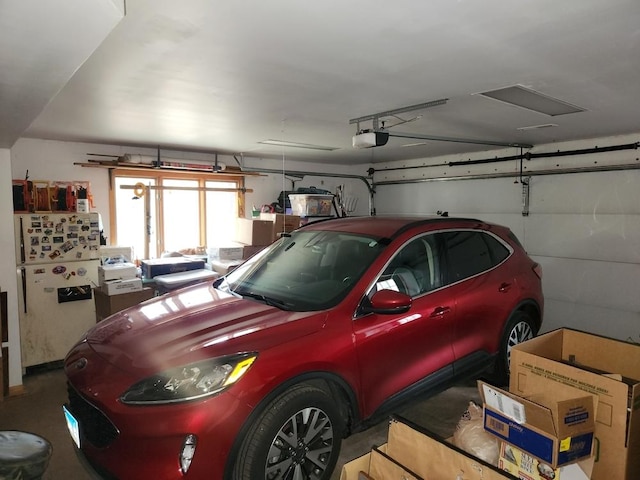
<point x="95" y="427"/>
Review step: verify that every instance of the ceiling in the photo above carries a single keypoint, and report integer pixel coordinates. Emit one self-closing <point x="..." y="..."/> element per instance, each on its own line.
<point x="220" y="77"/>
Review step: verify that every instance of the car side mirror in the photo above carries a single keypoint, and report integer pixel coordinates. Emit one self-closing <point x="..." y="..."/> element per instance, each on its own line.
<point x="388" y="302"/>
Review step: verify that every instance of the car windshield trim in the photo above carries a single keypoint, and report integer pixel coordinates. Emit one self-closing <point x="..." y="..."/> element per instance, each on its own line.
<point x="272" y="302"/>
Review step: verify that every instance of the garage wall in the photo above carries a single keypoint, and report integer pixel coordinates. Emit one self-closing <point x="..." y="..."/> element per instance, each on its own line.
<point x="8" y="274"/>
<point x="583" y="228"/>
<point x="54" y="160"/>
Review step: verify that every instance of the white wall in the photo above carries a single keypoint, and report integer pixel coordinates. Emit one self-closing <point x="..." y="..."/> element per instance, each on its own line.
<point x="8" y="274"/>
<point x="583" y="228"/>
<point x="53" y="160"/>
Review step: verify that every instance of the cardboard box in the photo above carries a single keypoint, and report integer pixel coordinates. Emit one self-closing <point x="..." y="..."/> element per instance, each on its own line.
<point x="223" y="267"/>
<point x="254" y="232"/>
<point x="281" y="223"/>
<point x="107" y="305"/>
<point x="173" y="281"/>
<point x="423" y="454"/>
<point x="523" y="465"/>
<point x="118" y="287"/>
<point x="161" y="266"/>
<point x="557" y="429"/>
<point x="233" y="251"/>
<point x="115" y="252"/>
<point x="607" y="368"/>
<point x="250" y="250"/>
<point x="116" y="271"/>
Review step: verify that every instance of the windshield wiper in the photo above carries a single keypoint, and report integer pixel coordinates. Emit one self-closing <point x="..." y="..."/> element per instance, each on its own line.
<point x="268" y="300"/>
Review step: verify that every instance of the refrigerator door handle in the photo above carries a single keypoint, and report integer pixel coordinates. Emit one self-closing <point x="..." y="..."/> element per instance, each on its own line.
<point x="23" y="274"/>
<point x="22" y="254"/>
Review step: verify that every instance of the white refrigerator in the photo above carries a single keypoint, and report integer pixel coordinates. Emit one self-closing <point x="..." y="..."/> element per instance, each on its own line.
<point x="57" y="269"/>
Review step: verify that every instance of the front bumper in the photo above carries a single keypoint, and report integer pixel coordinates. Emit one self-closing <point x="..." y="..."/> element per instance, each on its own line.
<point x="134" y="442"/>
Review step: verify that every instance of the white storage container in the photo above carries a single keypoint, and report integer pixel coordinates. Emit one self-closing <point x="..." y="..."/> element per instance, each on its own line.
<point x="311" y="204"/>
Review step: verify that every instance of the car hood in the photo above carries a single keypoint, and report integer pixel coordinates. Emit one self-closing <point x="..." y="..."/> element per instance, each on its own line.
<point x="192" y="324"/>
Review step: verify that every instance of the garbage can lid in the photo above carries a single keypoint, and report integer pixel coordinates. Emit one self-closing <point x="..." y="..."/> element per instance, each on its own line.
<point x="22" y="447"/>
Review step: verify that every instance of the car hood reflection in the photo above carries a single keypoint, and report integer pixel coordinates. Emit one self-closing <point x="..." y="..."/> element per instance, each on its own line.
<point x="195" y="323"/>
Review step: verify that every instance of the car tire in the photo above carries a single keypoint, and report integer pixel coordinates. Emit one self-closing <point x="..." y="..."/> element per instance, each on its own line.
<point x="520" y="328"/>
<point x="297" y="436"/>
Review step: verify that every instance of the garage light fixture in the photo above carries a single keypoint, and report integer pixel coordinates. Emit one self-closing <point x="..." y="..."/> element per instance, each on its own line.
<point x="524" y="97"/>
<point x="537" y="127"/>
<point x="284" y="143"/>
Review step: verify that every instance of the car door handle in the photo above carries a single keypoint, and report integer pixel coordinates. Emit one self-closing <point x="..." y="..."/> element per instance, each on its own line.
<point x="440" y="311"/>
<point x="504" y="287"/>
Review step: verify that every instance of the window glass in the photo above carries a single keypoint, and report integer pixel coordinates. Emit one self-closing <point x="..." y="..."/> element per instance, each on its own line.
<point x="468" y="254"/>
<point x="181" y="216"/>
<point x="414" y="270"/>
<point x="181" y="213"/>
<point x="309" y="270"/>
<point x="498" y="251"/>
<point x="132" y="219"/>
<point x="222" y="212"/>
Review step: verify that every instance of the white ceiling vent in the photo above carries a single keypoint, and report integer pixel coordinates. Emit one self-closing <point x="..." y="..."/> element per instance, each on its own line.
<point x="531" y="100"/>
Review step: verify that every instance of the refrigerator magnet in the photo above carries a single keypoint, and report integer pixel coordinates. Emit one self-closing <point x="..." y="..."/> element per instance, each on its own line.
<point x="82" y="272"/>
<point x="59" y="269"/>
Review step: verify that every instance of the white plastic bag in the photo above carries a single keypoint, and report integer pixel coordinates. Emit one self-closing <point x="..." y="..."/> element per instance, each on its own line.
<point x="471" y="437"/>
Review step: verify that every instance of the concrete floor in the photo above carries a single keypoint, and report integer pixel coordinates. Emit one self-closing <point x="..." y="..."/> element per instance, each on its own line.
<point x="39" y="411"/>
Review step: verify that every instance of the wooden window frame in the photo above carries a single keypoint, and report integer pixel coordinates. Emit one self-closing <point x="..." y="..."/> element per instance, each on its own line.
<point x="159" y="176"/>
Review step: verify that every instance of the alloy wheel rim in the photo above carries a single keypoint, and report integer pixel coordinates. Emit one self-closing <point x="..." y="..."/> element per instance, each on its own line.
<point x="520" y="332"/>
<point x="302" y="448"/>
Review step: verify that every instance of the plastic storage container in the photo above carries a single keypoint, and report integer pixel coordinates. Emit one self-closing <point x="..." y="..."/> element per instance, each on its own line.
<point x="311" y="205"/>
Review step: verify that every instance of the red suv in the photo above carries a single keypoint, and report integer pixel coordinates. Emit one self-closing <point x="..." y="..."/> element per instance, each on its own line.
<point x="261" y="374"/>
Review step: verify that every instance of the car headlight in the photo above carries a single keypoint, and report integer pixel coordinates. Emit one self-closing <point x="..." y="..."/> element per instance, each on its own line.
<point x="189" y="382"/>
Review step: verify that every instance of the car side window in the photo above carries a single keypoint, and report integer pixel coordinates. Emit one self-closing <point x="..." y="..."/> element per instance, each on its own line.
<point x="414" y="270"/>
<point x="470" y="253"/>
<point x="498" y="251"/>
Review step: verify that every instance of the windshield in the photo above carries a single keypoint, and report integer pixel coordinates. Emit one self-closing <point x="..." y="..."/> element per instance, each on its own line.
<point x="307" y="271"/>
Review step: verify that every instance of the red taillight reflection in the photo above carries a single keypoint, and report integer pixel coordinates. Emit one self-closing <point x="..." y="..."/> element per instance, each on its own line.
<point x="537" y="269"/>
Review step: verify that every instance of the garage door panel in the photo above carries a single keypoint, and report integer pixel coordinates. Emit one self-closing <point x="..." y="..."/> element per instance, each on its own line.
<point x="610" y="238"/>
<point x="609" y="322"/>
<point x="605" y="284"/>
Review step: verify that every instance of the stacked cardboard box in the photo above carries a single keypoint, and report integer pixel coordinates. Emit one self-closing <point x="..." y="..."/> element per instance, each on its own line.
<point x="254" y="232"/>
<point x="604" y="367"/>
<point x="119" y="278"/>
<point x="281" y="223"/>
<point x="223" y="259"/>
<point x="107" y="305"/>
<point x="411" y="452"/>
<point x="549" y="435"/>
<point x="572" y="412"/>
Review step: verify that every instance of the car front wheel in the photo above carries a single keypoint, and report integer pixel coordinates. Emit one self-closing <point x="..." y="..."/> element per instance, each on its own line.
<point x="297" y="437"/>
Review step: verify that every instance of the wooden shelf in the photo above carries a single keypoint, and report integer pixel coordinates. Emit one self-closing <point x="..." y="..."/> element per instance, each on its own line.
<point x="112" y="165"/>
